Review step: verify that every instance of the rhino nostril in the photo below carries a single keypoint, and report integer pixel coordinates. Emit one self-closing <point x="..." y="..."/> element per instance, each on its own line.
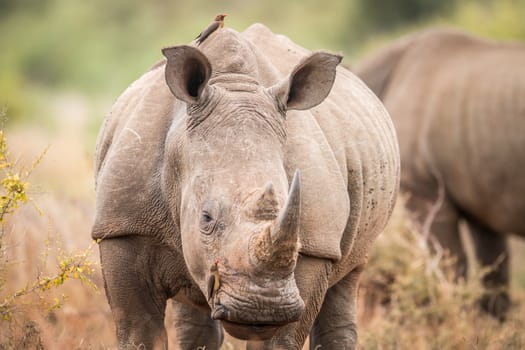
<point x="220" y="313"/>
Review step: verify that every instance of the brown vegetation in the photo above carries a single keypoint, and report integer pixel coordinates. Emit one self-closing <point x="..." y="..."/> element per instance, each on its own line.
<point x="407" y="298"/>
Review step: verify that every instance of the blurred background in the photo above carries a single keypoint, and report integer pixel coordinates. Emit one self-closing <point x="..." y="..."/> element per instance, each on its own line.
<point x="63" y="63"/>
<point x="59" y="54"/>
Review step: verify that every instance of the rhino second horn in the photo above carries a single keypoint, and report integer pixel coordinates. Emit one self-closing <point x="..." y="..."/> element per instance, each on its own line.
<point x="266" y="206"/>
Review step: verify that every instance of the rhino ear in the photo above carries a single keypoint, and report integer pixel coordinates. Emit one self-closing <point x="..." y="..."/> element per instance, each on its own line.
<point x="309" y="83"/>
<point x="187" y="72"/>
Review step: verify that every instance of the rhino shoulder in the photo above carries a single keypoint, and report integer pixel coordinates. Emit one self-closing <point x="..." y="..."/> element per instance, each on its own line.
<point x="129" y="157"/>
<point x="119" y="113"/>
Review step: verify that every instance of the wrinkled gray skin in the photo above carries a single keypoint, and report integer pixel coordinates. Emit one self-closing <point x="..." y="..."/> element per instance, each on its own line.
<point x="233" y="153"/>
<point x="458" y="105"/>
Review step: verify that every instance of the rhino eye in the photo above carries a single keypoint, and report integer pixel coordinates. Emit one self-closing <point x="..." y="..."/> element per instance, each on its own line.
<point x="207" y="223"/>
<point x="209" y="215"/>
<point x="206" y="217"/>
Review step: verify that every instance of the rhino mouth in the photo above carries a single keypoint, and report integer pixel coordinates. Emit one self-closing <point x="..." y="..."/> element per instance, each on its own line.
<point x="256" y="327"/>
<point x="250" y="331"/>
<point x="256" y="309"/>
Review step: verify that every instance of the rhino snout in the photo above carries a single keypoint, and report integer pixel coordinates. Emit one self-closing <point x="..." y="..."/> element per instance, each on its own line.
<point x="246" y="325"/>
<point x="258" y="317"/>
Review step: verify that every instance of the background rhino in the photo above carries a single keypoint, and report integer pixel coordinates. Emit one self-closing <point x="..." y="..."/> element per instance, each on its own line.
<point x="459" y="109"/>
<point x="216" y="166"/>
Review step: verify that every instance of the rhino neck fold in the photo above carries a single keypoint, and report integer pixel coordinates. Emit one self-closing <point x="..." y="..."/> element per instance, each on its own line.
<point x="235" y="82"/>
<point x="200" y="111"/>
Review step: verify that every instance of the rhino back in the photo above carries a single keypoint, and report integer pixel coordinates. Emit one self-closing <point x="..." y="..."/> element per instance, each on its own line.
<point x="457" y="108"/>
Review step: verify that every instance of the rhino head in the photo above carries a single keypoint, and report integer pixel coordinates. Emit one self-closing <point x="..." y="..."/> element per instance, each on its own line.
<point x="226" y="183"/>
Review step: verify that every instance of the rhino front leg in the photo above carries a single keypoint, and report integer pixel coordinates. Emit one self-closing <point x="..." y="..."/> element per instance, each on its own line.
<point x="492" y="252"/>
<point x="311" y="275"/>
<point x="195" y="329"/>
<point x="136" y="299"/>
<point x="336" y="325"/>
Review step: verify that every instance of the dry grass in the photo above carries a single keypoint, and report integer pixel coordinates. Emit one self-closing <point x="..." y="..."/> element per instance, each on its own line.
<point x="34" y="240"/>
<point x="407" y="300"/>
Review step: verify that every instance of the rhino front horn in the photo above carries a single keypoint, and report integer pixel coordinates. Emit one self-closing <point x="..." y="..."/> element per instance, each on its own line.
<point x="286" y="229"/>
<point x="276" y="248"/>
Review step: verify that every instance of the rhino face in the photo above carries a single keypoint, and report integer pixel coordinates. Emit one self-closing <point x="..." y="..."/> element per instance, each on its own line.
<point x="239" y="217"/>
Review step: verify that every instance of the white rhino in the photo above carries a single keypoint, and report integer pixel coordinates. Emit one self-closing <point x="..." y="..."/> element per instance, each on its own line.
<point x="245" y="180"/>
<point x="458" y="104"/>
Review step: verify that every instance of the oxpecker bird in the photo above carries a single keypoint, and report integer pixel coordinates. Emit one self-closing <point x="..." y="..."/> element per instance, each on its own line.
<point x="214" y="282"/>
<point x="215" y="25"/>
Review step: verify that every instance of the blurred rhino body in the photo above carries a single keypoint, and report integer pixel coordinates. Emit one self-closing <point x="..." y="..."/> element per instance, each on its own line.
<point x="459" y="109"/>
<point x="226" y="183"/>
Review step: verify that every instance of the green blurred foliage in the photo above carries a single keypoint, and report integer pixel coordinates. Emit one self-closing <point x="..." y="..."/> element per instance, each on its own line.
<point x="98" y="47"/>
<point x="499" y="19"/>
<point x="384" y="16"/>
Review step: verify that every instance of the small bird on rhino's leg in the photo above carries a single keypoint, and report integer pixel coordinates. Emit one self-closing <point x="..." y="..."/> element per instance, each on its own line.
<point x="214" y="26"/>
